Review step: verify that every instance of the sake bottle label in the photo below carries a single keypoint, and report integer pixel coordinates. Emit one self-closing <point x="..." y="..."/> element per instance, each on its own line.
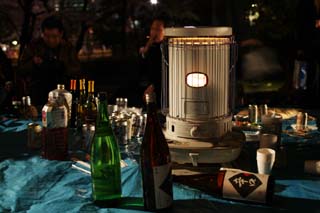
<point x="245" y="186"/>
<point x="162" y="186"/>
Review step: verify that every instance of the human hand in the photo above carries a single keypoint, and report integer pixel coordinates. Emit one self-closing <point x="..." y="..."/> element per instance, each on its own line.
<point x="152" y="37"/>
<point x="37" y="60"/>
<point x="142" y="50"/>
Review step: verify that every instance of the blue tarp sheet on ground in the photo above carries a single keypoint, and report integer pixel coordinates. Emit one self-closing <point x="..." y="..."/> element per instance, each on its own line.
<point x="38" y="185"/>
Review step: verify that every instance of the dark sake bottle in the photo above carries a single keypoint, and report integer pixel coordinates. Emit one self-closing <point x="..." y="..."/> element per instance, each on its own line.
<point x="82" y="101"/>
<point x="74" y="105"/>
<point x="90" y="107"/>
<point x="233" y="184"/>
<point x="105" y="160"/>
<point x="155" y="162"/>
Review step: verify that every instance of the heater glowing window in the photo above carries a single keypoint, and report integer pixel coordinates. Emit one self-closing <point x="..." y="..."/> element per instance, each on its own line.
<point x="197" y="79"/>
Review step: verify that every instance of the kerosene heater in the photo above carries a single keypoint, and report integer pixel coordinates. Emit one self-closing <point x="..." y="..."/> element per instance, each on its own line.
<point x="198" y="93"/>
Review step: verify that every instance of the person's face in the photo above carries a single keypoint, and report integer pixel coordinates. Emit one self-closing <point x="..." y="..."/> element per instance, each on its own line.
<point x="52" y="37"/>
<point x="157" y="31"/>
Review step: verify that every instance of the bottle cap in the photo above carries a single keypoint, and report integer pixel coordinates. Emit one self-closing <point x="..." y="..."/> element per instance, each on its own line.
<point x="102" y="96"/>
<point x="60" y="86"/>
<point x="150" y="97"/>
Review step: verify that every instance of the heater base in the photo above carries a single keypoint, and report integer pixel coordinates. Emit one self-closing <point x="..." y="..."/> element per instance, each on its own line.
<point x="211" y="152"/>
<point x="196" y="130"/>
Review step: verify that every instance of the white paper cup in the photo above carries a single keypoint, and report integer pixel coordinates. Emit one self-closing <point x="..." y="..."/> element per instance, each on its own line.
<point x="268" y="141"/>
<point x="312" y="167"/>
<point x="265" y="160"/>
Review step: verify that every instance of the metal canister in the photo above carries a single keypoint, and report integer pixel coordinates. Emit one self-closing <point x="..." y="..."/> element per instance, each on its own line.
<point x="134" y="124"/>
<point x="91" y="131"/>
<point x="143" y="125"/>
<point x="263" y="109"/>
<point x="302" y="121"/>
<point x="123" y="136"/>
<point x="253" y="113"/>
<point x="24" y="102"/>
<point x="85" y="137"/>
<point x="34" y="136"/>
<point x="125" y="103"/>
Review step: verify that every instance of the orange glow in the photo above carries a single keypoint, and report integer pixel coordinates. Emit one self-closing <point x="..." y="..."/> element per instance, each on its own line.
<point x="197" y="79"/>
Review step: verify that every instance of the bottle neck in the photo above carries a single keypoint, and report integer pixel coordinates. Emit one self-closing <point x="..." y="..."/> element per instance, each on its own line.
<point x="103" y="115"/>
<point x="151" y="107"/>
<point x="82" y="87"/>
<point x="90" y="89"/>
<point x="73" y="86"/>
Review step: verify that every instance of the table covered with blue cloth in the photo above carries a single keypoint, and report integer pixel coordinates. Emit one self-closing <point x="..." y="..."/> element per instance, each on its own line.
<point x="29" y="183"/>
<point x="33" y="184"/>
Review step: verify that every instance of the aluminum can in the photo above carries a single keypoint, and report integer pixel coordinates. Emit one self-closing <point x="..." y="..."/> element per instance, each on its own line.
<point x="253" y="113"/>
<point x="34" y="136"/>
<point x="302" y="121"/>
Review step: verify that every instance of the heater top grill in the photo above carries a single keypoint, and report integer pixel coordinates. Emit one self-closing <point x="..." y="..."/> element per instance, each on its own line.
<point x="198" y="32"/>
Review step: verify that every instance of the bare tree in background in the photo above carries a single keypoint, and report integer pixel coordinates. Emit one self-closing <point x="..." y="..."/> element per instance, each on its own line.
<point x="31" y="10"/>
<point x="116" y="23"/>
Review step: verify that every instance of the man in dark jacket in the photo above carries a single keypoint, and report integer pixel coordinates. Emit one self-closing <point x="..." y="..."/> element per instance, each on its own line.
<point x="152" y="58"/>
<point x="48" y="61"/>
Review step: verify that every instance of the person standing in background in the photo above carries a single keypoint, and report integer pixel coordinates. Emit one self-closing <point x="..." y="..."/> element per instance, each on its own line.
<point x="151" y="55"/>
<point x="308" y="47"/>
<point x="48" y="61"/>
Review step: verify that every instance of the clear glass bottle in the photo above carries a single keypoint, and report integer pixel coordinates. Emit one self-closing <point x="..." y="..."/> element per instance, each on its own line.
<point x="66" y="95"/>
<point x="55" y="129"/>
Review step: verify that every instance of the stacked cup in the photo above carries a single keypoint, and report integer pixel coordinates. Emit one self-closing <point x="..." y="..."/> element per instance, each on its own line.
<point x="268" y="141"/>
<point x="265" y="160"/>
<point x="266" y="154"/>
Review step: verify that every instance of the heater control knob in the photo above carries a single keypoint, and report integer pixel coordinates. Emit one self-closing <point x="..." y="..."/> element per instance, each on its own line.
<point x="194" y="131"/>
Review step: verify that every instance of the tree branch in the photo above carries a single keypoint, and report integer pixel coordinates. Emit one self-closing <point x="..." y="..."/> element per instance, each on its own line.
<point x="45" y="4"/>
<point x="21" y="4"/>
<point x="83" y="30"/>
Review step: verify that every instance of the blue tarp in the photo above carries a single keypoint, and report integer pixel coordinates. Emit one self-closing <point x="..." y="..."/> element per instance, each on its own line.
<point x="38" y="185"/>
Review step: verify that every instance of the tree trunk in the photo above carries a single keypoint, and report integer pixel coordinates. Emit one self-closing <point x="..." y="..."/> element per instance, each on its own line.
<point x="123" y="30"/>
<point x="83" y="30"/>
<point x="26" y="31"/>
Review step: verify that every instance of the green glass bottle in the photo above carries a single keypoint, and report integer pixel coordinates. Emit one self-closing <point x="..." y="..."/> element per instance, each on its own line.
<point x="105" y="160"/>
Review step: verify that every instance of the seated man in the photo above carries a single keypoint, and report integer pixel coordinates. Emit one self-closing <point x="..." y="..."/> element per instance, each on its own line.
<point x="48" y="61"/>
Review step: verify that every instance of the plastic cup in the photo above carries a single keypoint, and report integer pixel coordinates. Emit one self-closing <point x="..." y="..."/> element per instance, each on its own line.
<point x="265" y="160"/>
<point x="268" y="141"/>
<point x="312" y="167"/>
